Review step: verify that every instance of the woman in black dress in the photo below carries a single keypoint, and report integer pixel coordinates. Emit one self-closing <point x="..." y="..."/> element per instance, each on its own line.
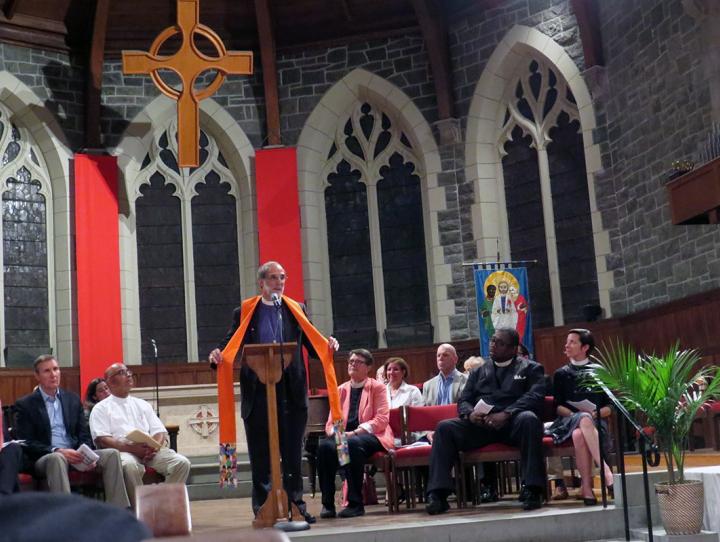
<point x="575" y="422"/>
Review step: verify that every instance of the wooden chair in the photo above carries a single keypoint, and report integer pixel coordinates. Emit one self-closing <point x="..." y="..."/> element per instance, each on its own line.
<point x="499" y="452"/>
<point x="164" y="508"/>
<point x="403" y="461"/>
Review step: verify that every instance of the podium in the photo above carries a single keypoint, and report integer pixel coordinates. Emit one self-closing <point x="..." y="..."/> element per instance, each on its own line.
<point x="265" y="360"/>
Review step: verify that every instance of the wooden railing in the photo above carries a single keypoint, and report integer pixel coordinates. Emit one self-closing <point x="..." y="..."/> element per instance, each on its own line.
<point x="694" y="321"/>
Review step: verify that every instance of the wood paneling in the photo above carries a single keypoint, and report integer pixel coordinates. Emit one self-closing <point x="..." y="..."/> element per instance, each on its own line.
<point x="695" y="196"/>
<point x="694" y="321"/>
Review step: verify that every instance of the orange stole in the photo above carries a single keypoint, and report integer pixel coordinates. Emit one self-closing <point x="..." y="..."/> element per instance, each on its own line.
<point x="226" y="393"/>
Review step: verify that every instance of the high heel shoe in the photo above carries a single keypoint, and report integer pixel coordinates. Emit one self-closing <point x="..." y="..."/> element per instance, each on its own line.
<point x="590" y="501"/>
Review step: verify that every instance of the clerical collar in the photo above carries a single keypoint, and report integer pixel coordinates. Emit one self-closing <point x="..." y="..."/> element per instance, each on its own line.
<point x="580" y="363"/>
<point x="266" y="302"/>
<point x="503" y="363"/>
<point x="354" y="384"/>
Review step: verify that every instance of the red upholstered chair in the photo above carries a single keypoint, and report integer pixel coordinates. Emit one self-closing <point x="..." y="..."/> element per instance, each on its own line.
<point x="404" y="460"/>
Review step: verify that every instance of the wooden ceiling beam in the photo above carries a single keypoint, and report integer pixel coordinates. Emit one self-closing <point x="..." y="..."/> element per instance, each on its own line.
<point x="266" y="35"/>
<point x="10" y="8"/>
<point x="93" y="94"/>
<point x="586" y="13"/>
<point x="432" y="25"/>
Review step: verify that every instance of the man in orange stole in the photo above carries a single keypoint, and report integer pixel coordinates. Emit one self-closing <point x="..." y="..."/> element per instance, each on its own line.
<point x="259" y="316"/>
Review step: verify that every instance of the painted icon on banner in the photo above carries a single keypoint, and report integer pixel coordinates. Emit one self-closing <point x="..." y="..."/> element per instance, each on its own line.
<point x="503" y="302"/>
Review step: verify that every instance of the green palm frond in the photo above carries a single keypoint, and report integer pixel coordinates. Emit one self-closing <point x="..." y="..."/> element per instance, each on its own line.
<point x="663" y="388"/>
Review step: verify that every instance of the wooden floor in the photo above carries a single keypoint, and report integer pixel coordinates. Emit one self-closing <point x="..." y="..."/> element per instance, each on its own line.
<point x="236" y="513"/>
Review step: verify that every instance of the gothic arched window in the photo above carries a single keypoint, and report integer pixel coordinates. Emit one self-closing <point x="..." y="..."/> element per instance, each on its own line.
<point x="187" y="248"/>
<point x="26" y="258"/>
<point x="546" y="194"/>
<point x="376" y="236"/>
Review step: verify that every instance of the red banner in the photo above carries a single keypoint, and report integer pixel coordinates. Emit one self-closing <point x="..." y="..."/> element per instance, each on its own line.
<point x="278" y="215"/>
<point x="97" y="260"/>
<point x="278" y="212"/>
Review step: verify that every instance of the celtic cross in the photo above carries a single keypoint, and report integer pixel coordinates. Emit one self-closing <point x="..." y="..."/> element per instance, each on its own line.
<point x="188" y="63"/>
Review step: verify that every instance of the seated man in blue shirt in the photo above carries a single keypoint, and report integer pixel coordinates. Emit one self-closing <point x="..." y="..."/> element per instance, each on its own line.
<point x="445" y="388"/>
<point x="52" y="423"/>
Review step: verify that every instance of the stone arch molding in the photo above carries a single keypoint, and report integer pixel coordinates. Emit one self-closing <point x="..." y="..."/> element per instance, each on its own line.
<point x="315" y="141"/>
<point x="484" y="133"/>
<point x="139" y="138"/>
<point x="30" y="112"/>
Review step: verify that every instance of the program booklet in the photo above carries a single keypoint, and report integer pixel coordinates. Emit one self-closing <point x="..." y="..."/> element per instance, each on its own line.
<point x="89" y="458"/>
<point x="140" y="437"/>
<point x="583" y="406"/>
<point x="482" y="407"/>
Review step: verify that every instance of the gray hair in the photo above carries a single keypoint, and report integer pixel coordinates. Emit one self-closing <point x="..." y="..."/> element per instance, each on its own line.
<point x="265" y="268"/>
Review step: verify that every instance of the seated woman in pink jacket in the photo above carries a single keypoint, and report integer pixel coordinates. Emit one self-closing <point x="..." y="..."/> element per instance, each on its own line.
<point x="365" y="412"/>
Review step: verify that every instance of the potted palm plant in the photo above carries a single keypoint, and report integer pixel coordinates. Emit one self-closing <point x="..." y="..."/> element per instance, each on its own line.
<point x="669" y="390"/>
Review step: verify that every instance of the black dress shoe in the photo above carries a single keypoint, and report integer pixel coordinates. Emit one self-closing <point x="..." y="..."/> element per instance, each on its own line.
<point x="524" y="493"/>
<point x="327" y="512"/>
<point x="436" y="505"/>
<point x="534" y="499"/>
<point x="307" y="516"/>
<point x="488" y="494"/>
<point x="352" y="512"/>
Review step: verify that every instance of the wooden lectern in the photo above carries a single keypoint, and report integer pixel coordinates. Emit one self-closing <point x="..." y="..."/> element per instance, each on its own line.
<point x="264" y="359"/>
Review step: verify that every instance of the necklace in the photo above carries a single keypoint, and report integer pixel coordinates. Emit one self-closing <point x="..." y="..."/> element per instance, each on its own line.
<point x="273" y="326"/>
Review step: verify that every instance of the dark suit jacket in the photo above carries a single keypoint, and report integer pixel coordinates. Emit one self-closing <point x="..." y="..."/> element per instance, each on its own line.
<point x="33" y="423"/>
<point x="294" y="381"/>
<point x="523" y="388"/>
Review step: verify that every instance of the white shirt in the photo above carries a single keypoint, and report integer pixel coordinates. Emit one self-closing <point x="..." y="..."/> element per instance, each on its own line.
<point x="405" y="395"/>
<point x="116" y="417"/>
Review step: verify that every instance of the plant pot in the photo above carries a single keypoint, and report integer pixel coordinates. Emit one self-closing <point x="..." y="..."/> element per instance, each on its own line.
<point x="681" y="506"/>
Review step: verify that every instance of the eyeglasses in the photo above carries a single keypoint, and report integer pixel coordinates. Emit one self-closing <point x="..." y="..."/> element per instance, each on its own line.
<point x="121" y="372"/>
<point x="356" y="361"/>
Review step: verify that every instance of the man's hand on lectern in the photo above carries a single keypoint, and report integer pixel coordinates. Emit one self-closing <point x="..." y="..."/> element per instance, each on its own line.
<point x="215" y="358"/>
<point x="333" y="344"/>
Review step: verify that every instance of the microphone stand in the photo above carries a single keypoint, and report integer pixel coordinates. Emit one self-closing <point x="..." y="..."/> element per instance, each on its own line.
<point x="292" y="524"/>
<point x="157" y="378"/>
<point x="650" y="456"/>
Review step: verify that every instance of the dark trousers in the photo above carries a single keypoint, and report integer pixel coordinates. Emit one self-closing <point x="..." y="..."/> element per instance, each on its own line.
<point x="11" y="461"/>
<point x="360" y="448"/>
<point x="291" y="424"/>
<point x="524" y="430"/>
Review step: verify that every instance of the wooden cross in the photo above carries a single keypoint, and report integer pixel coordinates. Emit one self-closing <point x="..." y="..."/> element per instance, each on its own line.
<point x="188" y="63"/>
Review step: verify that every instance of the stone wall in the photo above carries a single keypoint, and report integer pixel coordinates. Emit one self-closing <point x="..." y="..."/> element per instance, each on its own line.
<point x="57" y="79"/>
<point x="304" y="77"/>
<point x="656" y="109"/>
<point x="124" y="96"/>
<point x="473" y="39"/>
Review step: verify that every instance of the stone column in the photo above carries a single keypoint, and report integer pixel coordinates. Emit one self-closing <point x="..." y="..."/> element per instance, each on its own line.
<point x="455" y="228"/>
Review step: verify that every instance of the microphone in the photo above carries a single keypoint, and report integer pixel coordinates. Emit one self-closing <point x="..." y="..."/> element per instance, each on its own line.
<point x="157" y="377"/>
<point x="276" y="300"/>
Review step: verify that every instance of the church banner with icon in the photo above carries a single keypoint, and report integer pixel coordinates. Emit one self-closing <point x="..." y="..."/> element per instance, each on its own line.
<point x="503" y="300"/>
